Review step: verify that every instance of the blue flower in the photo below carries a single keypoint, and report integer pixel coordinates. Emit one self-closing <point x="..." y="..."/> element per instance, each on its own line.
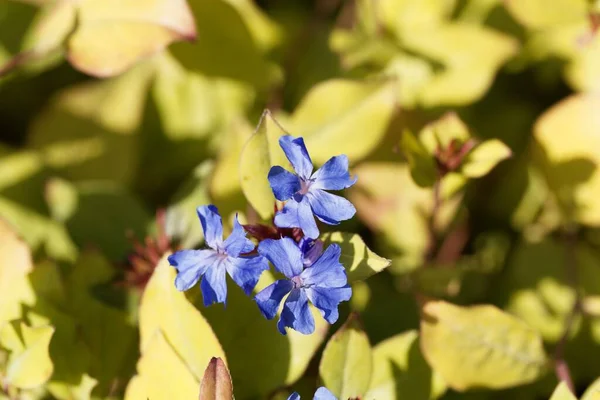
<point x="324" y="283"/>
<point x="305" y="191"/>
<point x="321" y="394"/>
<point x="223" y="255"/>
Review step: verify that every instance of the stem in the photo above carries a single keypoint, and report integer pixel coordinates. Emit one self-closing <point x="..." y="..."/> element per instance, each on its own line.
<point x="561" y="368"/>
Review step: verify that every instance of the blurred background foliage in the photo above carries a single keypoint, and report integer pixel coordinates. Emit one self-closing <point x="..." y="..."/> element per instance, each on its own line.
<point x="118" y="118"/>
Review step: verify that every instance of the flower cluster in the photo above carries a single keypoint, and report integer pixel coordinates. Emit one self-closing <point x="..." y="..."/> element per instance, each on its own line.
<point x="321" y="394"/>
<point x="311" y="272"/>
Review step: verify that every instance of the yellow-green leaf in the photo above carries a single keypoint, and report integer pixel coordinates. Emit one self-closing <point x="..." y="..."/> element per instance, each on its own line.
<point x="360" y="262"/>
<point x="570" y="160"/>
<point x="347" y="361"/>
<point x="422" y="165"/>
<point x="484" y="157"/>
<point x="494" y="349"/>
<point x="112" y="36"/>
<point x="443" y="131"/>
<point x="216" y="383"/>
<point x="259" y="154"/>
<point x="344" y="117"/>
<point x="32" y="366"/>
<point x="562" y="392"/>
<point x="536" y="14"/>
<point x="161" y="373"/>
<point x="15" y="264"/>
<point x="400" y="371"/>
<point x="593" y="391"/>
<point x="166" y="309"/>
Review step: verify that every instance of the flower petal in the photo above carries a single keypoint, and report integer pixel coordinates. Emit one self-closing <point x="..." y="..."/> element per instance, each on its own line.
<point x="284" y="254"/>
<point x="326" y="272"/>
<point x="294" y="396"/>
<point x="269" y="298"/>
<point x="330" y="208"/>
<point x="296" y="314"/>
<point x="296" y="153"/>
<point x="333" y="175"/>
<point x="323" y="394"/>
<point x="327" y="299"/>
<point x="245" y="271"/>
<point x="283" y="183"/>
<point x="211" y="225"/>
<point x="311" y="250"/>
<point x="298" y="215"/>
<point x="214" y="285"/>
<point x="237" y="242"/>
<point x="190" y="266"/>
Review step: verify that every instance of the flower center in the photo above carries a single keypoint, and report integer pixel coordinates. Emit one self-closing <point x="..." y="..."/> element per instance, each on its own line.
<point x="305" y="186"/>
<point x="297" y="281"/>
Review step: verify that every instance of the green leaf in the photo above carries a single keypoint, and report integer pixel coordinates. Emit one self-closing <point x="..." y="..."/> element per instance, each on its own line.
<point x="165" y="308"/>
<point x="570" y="161"/>
<point x="400" y="371"/>
<point x="494" y="349"/>
<point x="593" y="391"/>
<point x="99" y="323"/>
<point x="112" y="37"/>
<point x="562" y="392"/>
<point x="422" y="165"/>
<point x="161" y="373"/>
<point x="347" y="361"/>
<point x="15" y="265"/>
<point x="216" y="383"/>
<point x="484" y="157"/>
<point x="223" y="42"/>
<point x="536" y="14"/>
<point x="259" y="154"/>
<point x="29" y="366"/>
<point x="360" y="262"/>
<point x="275" y="359"/>
<point x="335" y="116"/>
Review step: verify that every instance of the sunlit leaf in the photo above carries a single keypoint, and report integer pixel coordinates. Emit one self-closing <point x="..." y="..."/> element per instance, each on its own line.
<point x="400" y="371"/>
<point x="592" y="392"/>
<point x="347" y="362"/>
<point x="493" y="348"/>
<point x="166" y="309"/>
<point x="360" y="262"/>
<point x="337" y="114"/>
<point x="562" y="392"/>
<point x="112" y="36"/>
<point x="484" y="157"/>
<point x="15" y="264"/>
<point x="537" y="15"/>
<point x="216" y="382"/>
<point x="30" y="366"/>
<point x="258" y="155"/>
<point x="570" y="161"/>
<point x="161" y="373"/>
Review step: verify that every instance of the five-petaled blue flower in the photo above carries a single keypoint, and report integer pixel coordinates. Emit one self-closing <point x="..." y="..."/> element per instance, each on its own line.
<point x="305" y="192"/>
<point x="223" y="255"/>
<point x="324" y="283"/>
<point x="321" y="394"/>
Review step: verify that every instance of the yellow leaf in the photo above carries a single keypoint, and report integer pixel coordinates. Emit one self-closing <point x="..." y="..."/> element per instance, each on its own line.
<point x="593" y="391"/>
<point x="443" y="131"/>
<point x="360" y="262"/>
<point x="400" y="371"/>
<point x="112" y="36"/>
<point x="494" y="349"/>
<point x="344" y="117"/>
<point x="536" y="14"/>
<point x="562" y="392"/>
<point x="15" y="265"/>
<point x="161" y="373"/>
<point x="347" y="361"/>
<point x="51" y="28"/>
<point x="259" y="154"/>
<point x="570" y="154"/>
<point x="484" y="157"/>
<point x="166" y="309"/>
<point x="32" y="366"/>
